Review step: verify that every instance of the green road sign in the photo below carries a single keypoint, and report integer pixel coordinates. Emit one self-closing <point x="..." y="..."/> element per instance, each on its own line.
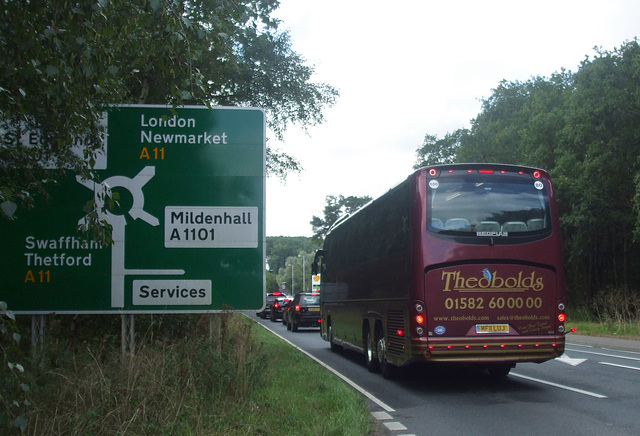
<point x="188" y="231"/>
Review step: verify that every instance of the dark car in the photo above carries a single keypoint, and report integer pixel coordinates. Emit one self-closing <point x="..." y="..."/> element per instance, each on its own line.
<point x="271" y="297"/>
<point x="303" y="311"/>
<point x="275" y="312"/>
<point x="285" y="311"/>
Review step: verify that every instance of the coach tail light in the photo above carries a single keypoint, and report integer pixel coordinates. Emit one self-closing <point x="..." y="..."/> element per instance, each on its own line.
<point x="419" y="318"/>
<point x="419" y="321"/>
<point x="561" y="317"/>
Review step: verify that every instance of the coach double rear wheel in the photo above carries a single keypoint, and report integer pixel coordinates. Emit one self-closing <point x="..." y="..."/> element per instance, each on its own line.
<point x="370" y="357"/>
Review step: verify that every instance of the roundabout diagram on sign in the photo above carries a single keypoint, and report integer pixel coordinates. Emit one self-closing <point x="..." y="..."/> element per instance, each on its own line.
<point x="119" y="223"/>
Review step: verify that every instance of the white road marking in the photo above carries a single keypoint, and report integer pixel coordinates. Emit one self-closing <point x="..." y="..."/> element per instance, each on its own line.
<point x="381" y="416"/>
<point x="568" y="360"/>
<point x="557" y="385"/>
<point x="394" y="426"/>
<point x="619" y="366"/>
<point x="617" y="356"/>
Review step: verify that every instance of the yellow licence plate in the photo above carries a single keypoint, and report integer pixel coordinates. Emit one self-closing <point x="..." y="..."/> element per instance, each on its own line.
<point x="314" y="309"/>
<point x="492" y="328"/>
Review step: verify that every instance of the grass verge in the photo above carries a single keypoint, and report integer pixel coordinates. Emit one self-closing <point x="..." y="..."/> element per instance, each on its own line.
<point x="249" y="382"/>
<point x="586" y="323"/>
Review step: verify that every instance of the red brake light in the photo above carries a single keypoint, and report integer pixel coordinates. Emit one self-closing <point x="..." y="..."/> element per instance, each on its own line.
<point x="400" y="332"/>
<point x="536" y="174"/>
<point x="277" y="294"/>
<point x="486" y="171"/>
<point x="297" y="308"/>
<point x="433" y="172"/>
<point x="420" y="319"/>
<point x="562" y="317"/>
<point x="276" y="305"/>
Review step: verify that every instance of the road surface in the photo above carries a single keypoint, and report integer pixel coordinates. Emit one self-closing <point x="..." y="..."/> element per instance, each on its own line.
<point x="594" y="389"/>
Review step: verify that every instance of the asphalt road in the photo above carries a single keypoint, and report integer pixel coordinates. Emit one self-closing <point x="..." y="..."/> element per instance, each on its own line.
<point x="594" y="389"/>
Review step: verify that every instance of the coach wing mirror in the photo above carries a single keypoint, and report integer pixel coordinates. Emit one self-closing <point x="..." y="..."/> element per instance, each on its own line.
<point x="316" y="259"/>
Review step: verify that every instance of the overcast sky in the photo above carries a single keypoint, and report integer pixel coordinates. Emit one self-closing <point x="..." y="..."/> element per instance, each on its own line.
<point x="410" y="68"/>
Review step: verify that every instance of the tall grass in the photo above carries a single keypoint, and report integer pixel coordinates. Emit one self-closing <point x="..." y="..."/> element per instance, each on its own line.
<point x="244" y="382"/>
<point x="177" y="386"/>
<point x="613" y="312"/>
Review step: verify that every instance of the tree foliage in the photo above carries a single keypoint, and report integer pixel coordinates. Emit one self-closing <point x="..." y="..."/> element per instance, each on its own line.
<point x="436" y="151"/>
<point x="334" y="209"/>
<point x="283" y="254"/>
<point x="295" y="275"/>
<point x="14" y="390"/>
<point x="64" y="60"/>
<point x="584" y="128"/>
<point x="279" y="248"/>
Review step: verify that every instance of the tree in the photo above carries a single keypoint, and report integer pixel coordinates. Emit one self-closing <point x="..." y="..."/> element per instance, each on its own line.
<point x="301" y="273"/>
<point x="334" y="209"/>
<point x="279" y="248"/>
<point x="436" y="151"/>
<point x="63" y="61"/>
<point x="518" y="124"/>
<point x="597" y="163"/>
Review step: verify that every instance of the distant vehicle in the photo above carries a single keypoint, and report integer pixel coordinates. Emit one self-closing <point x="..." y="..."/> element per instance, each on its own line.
<point x="303" y="311"/>
<point x="456" y="264"/>
<point x="275" y="312"/>
<point x="285" y="311"/>
<point x="271" y="297"/>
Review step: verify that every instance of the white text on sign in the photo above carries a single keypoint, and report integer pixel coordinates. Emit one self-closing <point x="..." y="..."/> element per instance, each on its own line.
<point x="171" y="292"/>
<point x="210" y="227"/>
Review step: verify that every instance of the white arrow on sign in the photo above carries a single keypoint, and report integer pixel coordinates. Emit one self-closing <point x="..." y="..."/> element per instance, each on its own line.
<point x="569" y="361"/>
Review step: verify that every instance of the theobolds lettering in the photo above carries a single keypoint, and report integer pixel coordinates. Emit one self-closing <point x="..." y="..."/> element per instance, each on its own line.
<point x="455" y="281"/>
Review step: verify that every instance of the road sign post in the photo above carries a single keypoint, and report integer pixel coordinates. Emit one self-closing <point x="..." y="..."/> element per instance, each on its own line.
<point x="188" y="231"/>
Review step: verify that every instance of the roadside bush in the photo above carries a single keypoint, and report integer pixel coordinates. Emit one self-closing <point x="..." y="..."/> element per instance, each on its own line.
<point x="14" y="388"/>
<point x="617" y="305"/>
<point x="161" y="389"/>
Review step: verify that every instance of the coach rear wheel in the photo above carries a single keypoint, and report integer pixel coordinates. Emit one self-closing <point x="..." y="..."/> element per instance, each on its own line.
<point x="386" y="369"/>
<point x="334" y="347"/>
<point x="370" y="357"/>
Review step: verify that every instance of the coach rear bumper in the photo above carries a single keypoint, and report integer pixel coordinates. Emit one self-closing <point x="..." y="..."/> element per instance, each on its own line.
<point x="489" y="349"/>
